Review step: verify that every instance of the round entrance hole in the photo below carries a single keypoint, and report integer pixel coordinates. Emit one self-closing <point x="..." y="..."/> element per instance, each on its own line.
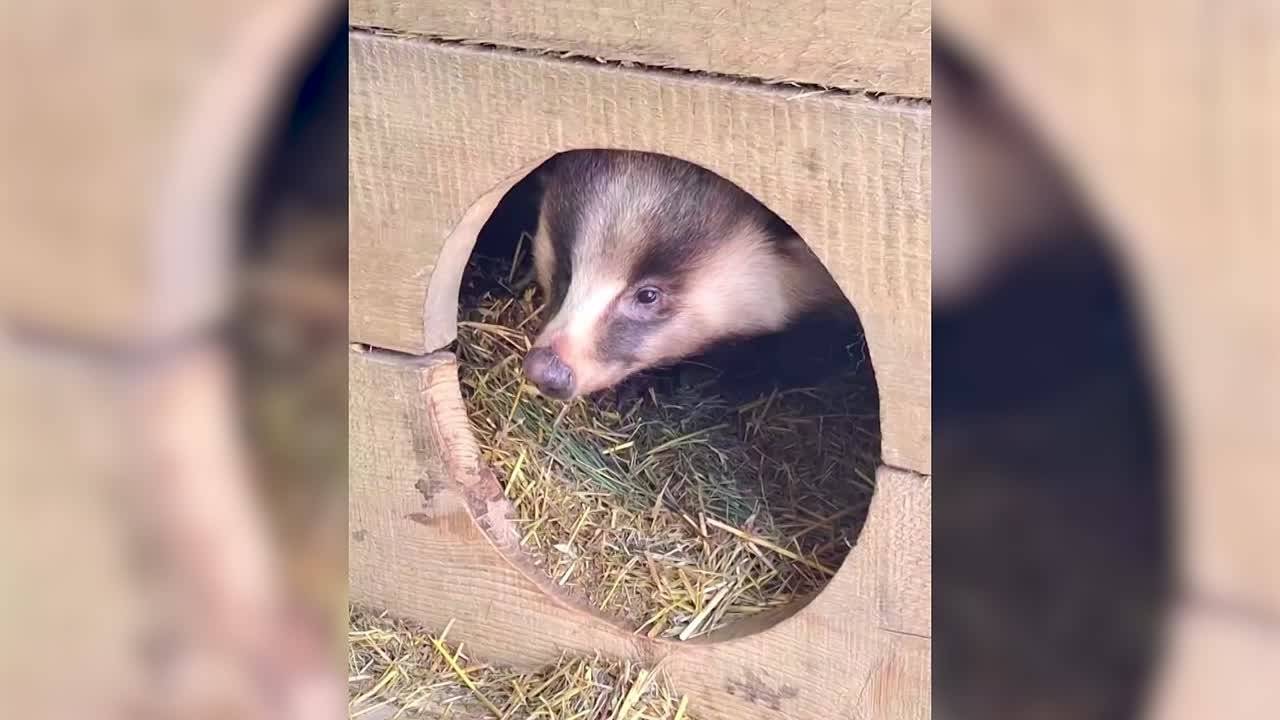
<point x="685" y="498"/>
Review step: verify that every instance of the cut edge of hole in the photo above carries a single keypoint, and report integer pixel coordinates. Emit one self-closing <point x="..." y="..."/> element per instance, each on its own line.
<point x="440" y="332"/>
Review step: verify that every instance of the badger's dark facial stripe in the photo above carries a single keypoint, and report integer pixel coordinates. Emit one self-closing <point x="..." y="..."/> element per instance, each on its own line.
<point x="560" y="282"/>
<point x="616" y="222"/>
<point x="620" y="339"/>
<point x="629" y="323"/>
<point x="672" y="256"/>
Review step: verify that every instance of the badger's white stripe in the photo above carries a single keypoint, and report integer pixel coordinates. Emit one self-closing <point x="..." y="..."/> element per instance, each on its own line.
<point x="544" y="257"/>
<point x="580" y="317"/>
<point x="741" y="281"/>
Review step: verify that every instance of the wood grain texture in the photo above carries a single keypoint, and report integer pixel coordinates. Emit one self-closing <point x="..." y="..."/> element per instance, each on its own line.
<point x="1168" y="123"/>
<point x="435" y="127"/>
<point x="432" y="541"/>
<point x="843" y="655"/>
<point x="415" y="549"/>
<point x="874" y="45"/>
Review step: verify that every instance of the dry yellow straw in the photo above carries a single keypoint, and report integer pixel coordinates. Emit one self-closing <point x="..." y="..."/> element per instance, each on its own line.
<point x="676" y="510"/>
<point x="771" y="546"/>
<point x="464" y="677"/>
<point x="396" y="666"/>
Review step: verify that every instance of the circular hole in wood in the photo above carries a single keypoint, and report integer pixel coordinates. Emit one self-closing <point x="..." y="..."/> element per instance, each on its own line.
<point x="677" y="499"/>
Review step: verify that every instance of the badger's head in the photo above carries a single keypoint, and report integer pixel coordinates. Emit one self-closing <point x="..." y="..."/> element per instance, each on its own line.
<point x="645" y="260"/>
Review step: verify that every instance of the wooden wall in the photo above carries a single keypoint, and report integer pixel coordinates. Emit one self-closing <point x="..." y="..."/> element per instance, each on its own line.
<point x="451" y="104"/>
<point x="434" y="127"/>
<point x="432" y="539"/>
<point x="862" y="45"/>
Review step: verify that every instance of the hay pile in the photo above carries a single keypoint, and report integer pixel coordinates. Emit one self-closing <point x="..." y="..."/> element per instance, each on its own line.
<point x="395" y="670"/>
<point x="676" y="512"/>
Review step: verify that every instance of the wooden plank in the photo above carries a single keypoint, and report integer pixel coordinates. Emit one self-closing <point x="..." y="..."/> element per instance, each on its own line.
<point x="432" y="541"/>
<point x="415" y="549"/>
<point x="874" y="45"/>
<point x="847" y="654"/>
<point x="434" y="128"/>
<point x="901" y="686"/>
<point x="903" y="549"/>
<point x="1128" y="119"/>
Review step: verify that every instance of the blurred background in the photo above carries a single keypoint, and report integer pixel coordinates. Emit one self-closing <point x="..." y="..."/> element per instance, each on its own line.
<point x="173" y="353"/>
<point x="1105" y="359"/>
<point x="173" y="387"/>
<point x="1052" y="559"/>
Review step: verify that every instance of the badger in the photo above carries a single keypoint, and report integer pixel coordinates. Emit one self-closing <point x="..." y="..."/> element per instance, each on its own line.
<point x="645" y="260"/>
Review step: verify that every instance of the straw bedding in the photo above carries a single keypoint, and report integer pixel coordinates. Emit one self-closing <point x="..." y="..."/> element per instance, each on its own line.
<point x="397" y="670"/>
<point x="667" y="505"/>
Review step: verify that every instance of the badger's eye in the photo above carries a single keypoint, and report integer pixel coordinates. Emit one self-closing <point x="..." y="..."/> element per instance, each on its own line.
<point x="648" y="296"/>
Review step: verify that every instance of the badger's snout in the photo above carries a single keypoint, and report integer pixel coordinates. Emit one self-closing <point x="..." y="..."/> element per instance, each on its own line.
<point x="549" y="373"/>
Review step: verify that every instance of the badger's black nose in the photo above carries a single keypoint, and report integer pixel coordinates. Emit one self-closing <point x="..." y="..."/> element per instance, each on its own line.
<point x="548" y="372"/>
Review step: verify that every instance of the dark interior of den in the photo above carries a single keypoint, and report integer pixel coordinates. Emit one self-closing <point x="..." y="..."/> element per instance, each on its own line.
<point x="698" y="461"/>
<point x="1051" y="532"/>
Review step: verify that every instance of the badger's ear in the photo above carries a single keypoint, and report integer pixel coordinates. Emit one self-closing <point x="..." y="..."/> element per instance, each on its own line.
<point x="535" y="184"/>
<point x="794" y="247"/>
<point x="537" y="180"/>
<point x="807" y="271"/>
<point x="775" y="226"/>
<point x="542" y="173"/>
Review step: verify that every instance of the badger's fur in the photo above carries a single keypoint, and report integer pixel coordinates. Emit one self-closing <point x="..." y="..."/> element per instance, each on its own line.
<point x="645" y="260"/>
